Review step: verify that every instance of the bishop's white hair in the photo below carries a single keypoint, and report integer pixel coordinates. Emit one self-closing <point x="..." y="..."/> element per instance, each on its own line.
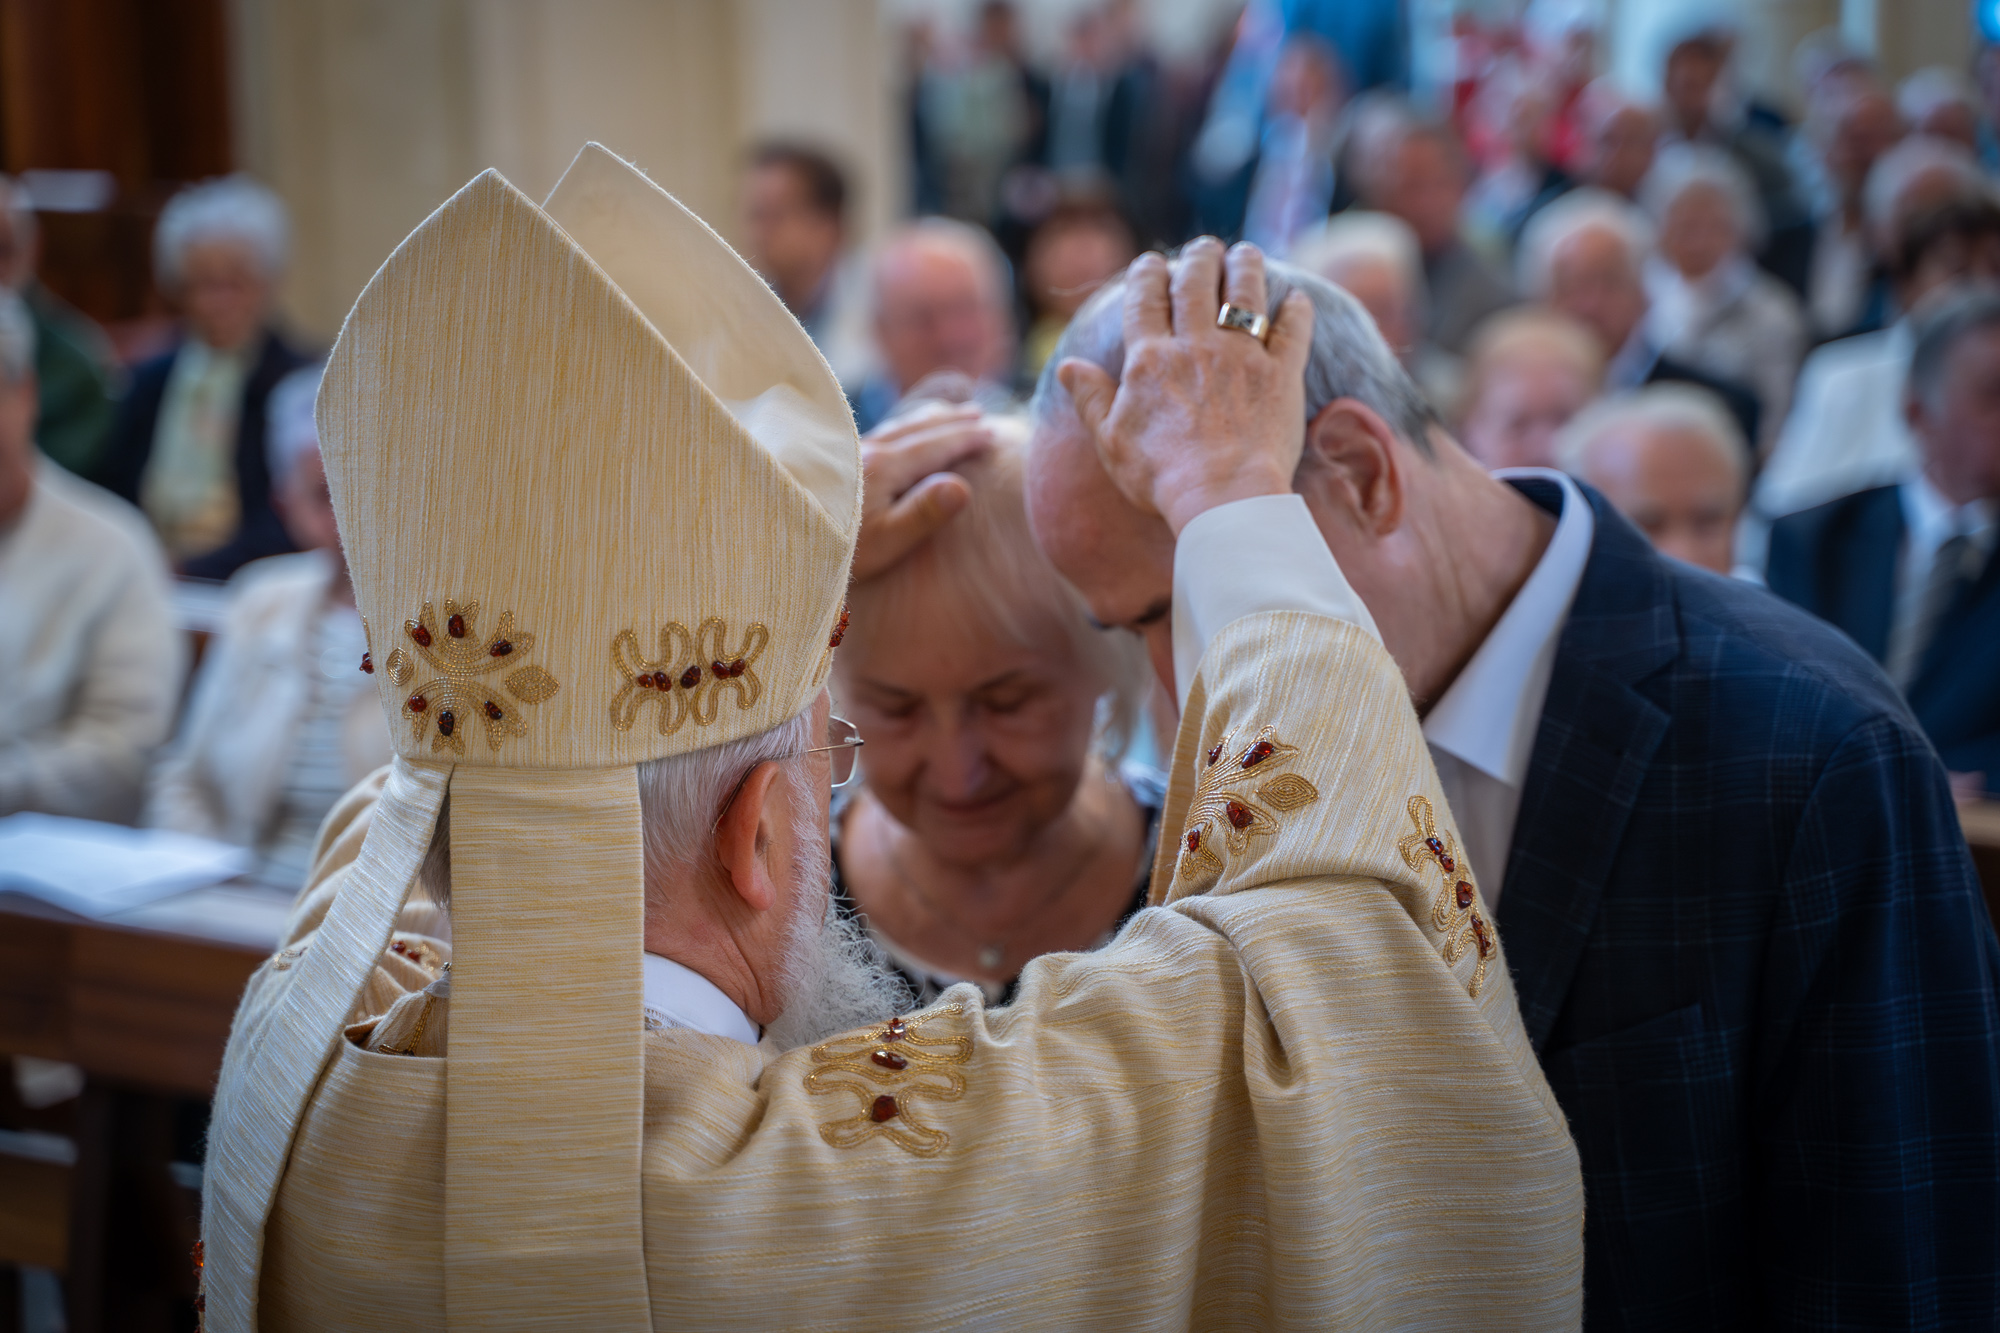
<point x="228" y="208"/>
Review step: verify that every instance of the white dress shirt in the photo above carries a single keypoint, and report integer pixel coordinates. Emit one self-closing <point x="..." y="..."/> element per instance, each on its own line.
<point x="1846" y="431"/>
<point x="1267" y="554"/>
<point x="680" y="997"/>
<point x="1929" y="521"/>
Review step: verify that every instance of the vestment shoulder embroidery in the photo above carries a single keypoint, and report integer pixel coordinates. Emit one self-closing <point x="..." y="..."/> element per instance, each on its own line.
<point x="1455" y="910"/>
<point x="1239" y="798"/>
<point x="893" y="1071"/>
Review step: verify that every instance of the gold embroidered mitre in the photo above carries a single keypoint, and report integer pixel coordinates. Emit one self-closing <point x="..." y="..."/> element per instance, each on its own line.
<point x="599" y="494"/>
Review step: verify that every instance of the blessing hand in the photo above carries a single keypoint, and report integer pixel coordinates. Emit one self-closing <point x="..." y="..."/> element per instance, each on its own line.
<point x="1202" y="414"/>
<point x="906" y="495"/>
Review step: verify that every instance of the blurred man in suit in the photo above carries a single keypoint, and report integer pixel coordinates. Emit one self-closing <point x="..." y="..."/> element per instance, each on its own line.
<point x="75" y="369"/>
<point x="1748" y="942"/>
<point x="1908" y="570"/>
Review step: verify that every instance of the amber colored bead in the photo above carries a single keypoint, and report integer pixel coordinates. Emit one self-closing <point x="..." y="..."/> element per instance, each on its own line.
<point x="1194" y="840"/>
<point x="719" y="669"/>
<point x="644" y="680"/>
<point x="1479" y="932"/>
<point x="894" y="1032"/>
<point x="661" y="680"/>
<point x="493" y="710"/>
<point x="885" y="1108"/>
<point x="1446" y="864"/>
<point x="1436" y="845"/>
<point x="737" y="668"/>
<point x="418" y="703"/>
<point x="889" y="1060"/>
<point x="1240" y="815"/>
<point x="421" y="635"/>
<point x="1259" y="752"/>
<point x="839" y="630"/>
<point x="1215" y="752"/>
<point x="500" y="648"/>
<point x="455" y="626"/>
<point x="367" y="664"/>
<point x="200" y="1254"/>
<point x="691" y="678"/>
<point x="1464" y="893"/>
<point x="446" y="722"/>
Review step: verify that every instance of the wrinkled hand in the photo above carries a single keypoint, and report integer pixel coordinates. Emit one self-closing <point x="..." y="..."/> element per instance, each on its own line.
<point x="1202" y="415"/>
<point x="906" y="495"/>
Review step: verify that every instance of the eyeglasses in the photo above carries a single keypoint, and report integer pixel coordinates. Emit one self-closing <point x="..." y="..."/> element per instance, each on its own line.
<point x="844" y="750"/>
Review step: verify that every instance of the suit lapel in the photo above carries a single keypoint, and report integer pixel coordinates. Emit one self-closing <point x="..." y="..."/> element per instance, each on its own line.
<point x="1865" y="585"/>
<point x="1597" y="737"/>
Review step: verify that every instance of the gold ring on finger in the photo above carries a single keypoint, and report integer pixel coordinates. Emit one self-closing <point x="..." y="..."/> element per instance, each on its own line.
<point x="1244" y="321"/>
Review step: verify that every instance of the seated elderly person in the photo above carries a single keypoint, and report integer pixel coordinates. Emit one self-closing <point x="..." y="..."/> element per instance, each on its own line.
<point x="1670" y="458"/>
<point x="995" y="823"/>
<point x="1846" y="432"/>
<point x="1620" y="137"/>
<point x="1712" y="307"/>
<point x="89" y="658"/>
<point x="1376" y="258"/>
<point x="942" y="303"/>
<point x="1531" y="370"/>
<point x="75" y="367"/>
<point x="281" y="723"/>
<point x="1585" y="256"/>
<point x="1908" y="569"/>
<point x="187" y="445"/>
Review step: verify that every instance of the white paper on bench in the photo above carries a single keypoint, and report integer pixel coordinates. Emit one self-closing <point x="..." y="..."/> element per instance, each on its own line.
<point x="96" y="869"/>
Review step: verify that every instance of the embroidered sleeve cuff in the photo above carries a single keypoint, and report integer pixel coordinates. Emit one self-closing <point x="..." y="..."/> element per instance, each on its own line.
<point x="1251" y="556"/>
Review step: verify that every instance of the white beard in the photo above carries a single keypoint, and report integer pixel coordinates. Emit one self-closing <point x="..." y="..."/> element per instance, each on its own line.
<point x="834" y="978"/>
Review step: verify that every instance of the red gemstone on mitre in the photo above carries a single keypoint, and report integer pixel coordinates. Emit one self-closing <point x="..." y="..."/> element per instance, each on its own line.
<point x="885" y="1108"/>
<point x="1259" y="752"/>
<point x="661" y="680"/>
<point x="421" y="635"/>
<point x="493" y="710"/>
<point x="889" y="1060"/>
<point x="368" y="663"/>
<point x="644" y="680"/>
<point x="1240" y="815"/>
<point x="1464" y="894"/>
<point x="455" y="626"/>
<point x="720" y="670"/>
<point x="1194" y="840"/>
<point x="446" y="722"/>
<point x="1215" y="752"/>
<point x="1485" y="940"/>
<point x="737" y="668"/>
<point x="418" y="703"/>
<point x="894" y="1032"/>
<point x="839" y="630"/>
<point x="1445" y="863"/>
<point x="1436" y="845"/>
<point x="691" y="678"/>
<point x="500" y="648"/>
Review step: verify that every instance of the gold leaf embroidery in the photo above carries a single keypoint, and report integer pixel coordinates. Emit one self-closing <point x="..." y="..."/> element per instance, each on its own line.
<point x="1218" y="811"/>
<point x="689" y="676"/>
<point x="1455" y="909"/>
<point x="892" y="1069"/>
<point x="444" y="705"/>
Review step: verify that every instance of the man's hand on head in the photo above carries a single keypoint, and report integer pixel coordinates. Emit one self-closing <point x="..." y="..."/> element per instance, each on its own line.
<point x="906" y="493"/>
<point x="1202" y="415"/>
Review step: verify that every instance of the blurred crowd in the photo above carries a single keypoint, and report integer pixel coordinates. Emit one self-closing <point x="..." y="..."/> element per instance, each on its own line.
<point x="1766" y="340"/>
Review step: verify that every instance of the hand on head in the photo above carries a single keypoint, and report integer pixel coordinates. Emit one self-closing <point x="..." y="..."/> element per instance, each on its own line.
<point x="906" y="492"/>
<point x="1202" y="415"/>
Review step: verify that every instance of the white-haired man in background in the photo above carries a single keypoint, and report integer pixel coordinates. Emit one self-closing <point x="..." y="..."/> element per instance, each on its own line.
<point x="942" y="302"/>
<point x="1670" y="458"/>
<point x="1377" y="259"/>
<point x="1530" y="371"/>
<point x="90" y="663"/>
<point x="75" y="368"/>
<point x="188" y="443"/>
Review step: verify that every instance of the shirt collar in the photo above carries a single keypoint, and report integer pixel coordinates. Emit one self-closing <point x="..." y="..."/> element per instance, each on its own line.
<point x="677" y="996"/>
<point x="1932" y="519"/>
<point x="1489" y="716"/>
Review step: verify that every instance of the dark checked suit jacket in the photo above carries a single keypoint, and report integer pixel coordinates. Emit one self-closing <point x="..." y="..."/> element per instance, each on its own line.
<point x="1753" y="958"/>
<point x="1839" y="562"/>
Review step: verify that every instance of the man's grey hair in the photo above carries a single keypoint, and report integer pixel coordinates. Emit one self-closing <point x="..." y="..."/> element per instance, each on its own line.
<point x="1358" y="234"/>
<point x="1349" y="358"/>
<point x="1940" y="326"/>
<point x="1899" y="168"/>
<point x="229" y="208"/>
<point x="681" y="800"/>
<point x="1573" y="214"/>
<point x="1681" y="167"/>
<point x="17" y="338"/>
<point x="1659" y="407"/>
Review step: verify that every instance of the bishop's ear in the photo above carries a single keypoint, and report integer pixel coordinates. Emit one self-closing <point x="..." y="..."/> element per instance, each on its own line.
<point x="1351" y="463"/>
<point x="743" y="837"/>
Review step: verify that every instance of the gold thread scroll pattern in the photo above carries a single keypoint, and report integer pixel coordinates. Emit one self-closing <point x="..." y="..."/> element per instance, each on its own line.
<point x="1223" y="809"/>
<point x="892" y="1069"/>
<point x="688" y="677"/>
<point x="1455" y="909"/>
<point x="445" y="704"/>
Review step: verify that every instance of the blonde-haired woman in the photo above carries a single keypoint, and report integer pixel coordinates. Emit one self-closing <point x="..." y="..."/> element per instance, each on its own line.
<point x="995" y="821"/>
